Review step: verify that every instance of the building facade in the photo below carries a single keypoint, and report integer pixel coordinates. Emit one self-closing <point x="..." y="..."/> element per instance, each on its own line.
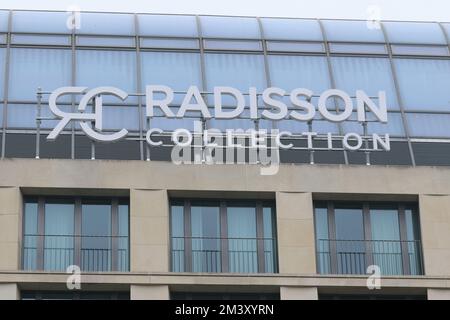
<point x="139" y="226"/>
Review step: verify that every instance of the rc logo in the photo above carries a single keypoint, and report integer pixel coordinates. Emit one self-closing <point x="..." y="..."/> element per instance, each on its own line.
<point x="95" y="117"/>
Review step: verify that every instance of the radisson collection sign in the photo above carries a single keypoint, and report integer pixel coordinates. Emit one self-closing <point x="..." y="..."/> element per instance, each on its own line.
<point x="160" y="96"/>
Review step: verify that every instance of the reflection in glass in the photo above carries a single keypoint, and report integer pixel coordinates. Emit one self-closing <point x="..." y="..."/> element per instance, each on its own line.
<point x="96" y="237"/>
<point x="58" y="240"/>
<point x="30" y="244"/>
<point x="323" y="245"/>
<point x="350" y="247"/>
<point x="177" y="232"/>
<point x="386" y="245"/>
<point x="242" y="243"/>
<point x="424" y="83"/>
<point x="205" y="224"/>
<point x="33" y="68"/>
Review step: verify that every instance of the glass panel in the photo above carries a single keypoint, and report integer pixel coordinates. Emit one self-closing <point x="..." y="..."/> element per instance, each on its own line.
<point x="4" y="16"/>
<point x="34" y="68"/>
<point x="358" y="48"/>
<point x="177" y="233"/>
<point x="96" y="237"/>
<point x="290" y="72"/>
<point x="323" y="245"/>
<point x="38" y="39"/>
<point x="350" y="246"/>
<point x="429" y="125"/>
<point x="420" y="50"/>
<point x="105" y="41"/>
<point x="24" y="116"/>
<point x="221" y="70"/>
<point x="414" y="32"/>
<point x="233" y="45"/>
<point x="352" y="31"/>
<point x="386" y="246"/>
<point x="169" y="43"/>
<point x="97" y="68"/>
<point x="118" y="117"/>
<point x="31" y="236"/>
<point x="414" y="247"/>
<point x="424" y="83"/>
<point x="393" y="127"/>
<point x="446" y="27"/>
<point x="59" y="236"/>
<point x="176" y="70"/>
<point x="123" y="231"/>
<point x="270" y="245"/>
<point x="230" y="27"/>
<point x="206" y="253"/>
<point x="40" y="22"/>
<point x="291" y="29"/>
<point x="167" y="25"/>
<point x="2" y="38"/>
<point x="369" y="74"/>
<point x="106" y="23"/>
<point x="294" y="46"/>
<point x="242" y="243"/>
<point x="2" y="71"/>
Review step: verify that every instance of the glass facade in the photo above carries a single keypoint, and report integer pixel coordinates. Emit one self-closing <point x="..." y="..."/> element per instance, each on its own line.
<point x="410" y="61"/>
<point x="350" y="237"/>
<point x="223" y="236"/>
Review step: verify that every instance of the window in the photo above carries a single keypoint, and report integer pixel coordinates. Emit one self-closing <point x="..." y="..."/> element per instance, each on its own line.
<point x="352" y="31"/>
<point x="177" y="70"/>
<point x="90" y="233"/>
<point x="365" y="296"/>
<point x="352" y="236"/>
<point x="74" y="295"/>
<point x="224" y="296"/>
<point x="33" y="68"/>
<point x="223" y="236"/>
<point x="221" y="70"/>
<point x="423" y="83"/>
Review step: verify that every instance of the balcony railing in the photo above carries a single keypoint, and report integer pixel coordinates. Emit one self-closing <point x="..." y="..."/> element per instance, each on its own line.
<point x="90" y="253"/>
<point x="210" y="254"/>
<point x="354" y="256"/>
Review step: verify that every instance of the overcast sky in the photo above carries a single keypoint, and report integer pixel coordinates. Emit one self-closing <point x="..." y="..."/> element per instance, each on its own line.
<point x="424" y="10"/>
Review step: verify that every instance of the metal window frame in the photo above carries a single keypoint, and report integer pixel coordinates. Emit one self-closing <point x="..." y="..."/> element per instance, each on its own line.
<point x="77" y="202"/>
<point x="366" y="208"/>
<point x="223" y="205"/>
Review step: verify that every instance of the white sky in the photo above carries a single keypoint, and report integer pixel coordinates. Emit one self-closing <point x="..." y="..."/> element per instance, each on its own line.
<point x="416" y="10"/>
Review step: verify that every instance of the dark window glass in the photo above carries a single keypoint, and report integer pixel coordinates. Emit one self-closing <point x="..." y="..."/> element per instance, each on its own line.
<point x="223" y="296"/>
<point x="75" y="295"/>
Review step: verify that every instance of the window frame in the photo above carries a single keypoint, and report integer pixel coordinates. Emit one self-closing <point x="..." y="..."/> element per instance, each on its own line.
<point x="366" y="207"/>
<point x="223" y="204"/>
<point x="77" y="202"/>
